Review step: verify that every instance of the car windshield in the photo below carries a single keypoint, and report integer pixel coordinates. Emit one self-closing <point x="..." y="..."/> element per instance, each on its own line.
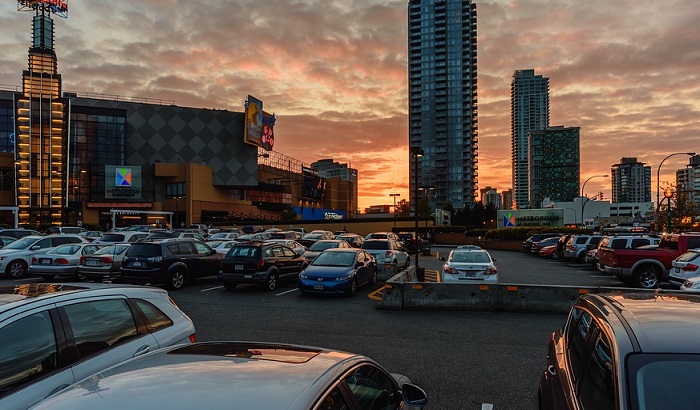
<point x="312" y="236"/>
<point x="244" y="252"/>
<point x="112" y="237"/>
<point x="688" y="256"/>
<point x="469" y="257"/>
<point x="335" y="259"/>
<point x="322" y="246"/>
<point x="375" y="245"/>
<point x="23" y="243"/>
<point x="656" y="379"/>
<point x="146" y="250"/>
<point x="112" y="250"/>
<point x="64" y="250"/>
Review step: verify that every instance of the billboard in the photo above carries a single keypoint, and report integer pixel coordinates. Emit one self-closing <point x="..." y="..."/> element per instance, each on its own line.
<point x="259" y="125"/>
<point x="58" y="7"/>
<point x="314" y="186"/>
<point x="122" y="182"/>
<point x="530" y="217"/>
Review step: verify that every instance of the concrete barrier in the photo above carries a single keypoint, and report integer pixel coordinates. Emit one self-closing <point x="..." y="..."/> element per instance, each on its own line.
<point x="402" y="291"/>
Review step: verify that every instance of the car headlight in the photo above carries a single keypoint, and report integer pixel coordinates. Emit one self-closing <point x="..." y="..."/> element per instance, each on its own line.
<point x="2" y="258"/>
<point x="343" y="278"/>
<point x="303" y="275"/>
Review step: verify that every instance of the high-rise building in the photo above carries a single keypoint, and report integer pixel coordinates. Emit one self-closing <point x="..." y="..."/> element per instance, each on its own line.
<point x="443" y="99"/>
<point x="507" y="199"/>
<point x="554" y="164"/>
<point x="631" y="181"/>
<point x="490" y="195"/>
<point x="688" y="180"/>
<point x="344" y="192"/>
<point x="529" y="110"/>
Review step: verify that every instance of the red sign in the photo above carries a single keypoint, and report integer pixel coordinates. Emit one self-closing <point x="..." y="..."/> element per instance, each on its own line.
<point x="59" y="7"/>
<point x="118" y="205"/>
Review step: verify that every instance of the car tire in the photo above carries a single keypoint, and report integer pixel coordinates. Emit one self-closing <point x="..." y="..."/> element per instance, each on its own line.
<point x="373" y="280"/>
<point x="47" y="278"/>
<point x="175" y="280"/>
<point x="271" y="281"/>
<point x="80" y="276"/>
<point x="646" y="277"/>
<point x="230" y="285"/>
<point x="353" y="287"/>
<point x="16" y="269"/>
<point x="556" y="255"/>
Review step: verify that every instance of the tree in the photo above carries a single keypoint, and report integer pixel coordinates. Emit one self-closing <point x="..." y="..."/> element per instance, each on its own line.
<point x="403" y="208"/>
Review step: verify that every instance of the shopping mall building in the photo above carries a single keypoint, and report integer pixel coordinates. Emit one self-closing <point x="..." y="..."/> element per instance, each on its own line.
<point x="71" y="158"/>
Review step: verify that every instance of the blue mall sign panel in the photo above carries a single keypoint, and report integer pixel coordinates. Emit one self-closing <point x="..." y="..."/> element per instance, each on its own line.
<point x="122" y="182"/>
<point x="530" y="217"/>
<point x="318" y="214"/>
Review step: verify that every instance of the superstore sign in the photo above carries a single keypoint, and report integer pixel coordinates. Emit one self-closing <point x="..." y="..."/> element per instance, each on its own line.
<point x="57" y="5"/>
<point x="530" y="217"/>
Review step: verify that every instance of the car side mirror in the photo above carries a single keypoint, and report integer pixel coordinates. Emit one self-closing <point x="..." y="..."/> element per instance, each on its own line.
<point x="494" y="259"/>
<point x="413" y="395"/>
<point x="443" y="259"/>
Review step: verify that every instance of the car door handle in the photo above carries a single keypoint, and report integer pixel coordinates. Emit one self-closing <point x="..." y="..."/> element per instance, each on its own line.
<point x="142" y="350"/>
<point x="551" y="370"/>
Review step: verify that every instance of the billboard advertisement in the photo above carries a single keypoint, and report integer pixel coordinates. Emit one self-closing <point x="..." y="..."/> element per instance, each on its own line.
<point x="530" y="217"/>
<point x="122" y="182"/>
<point x="253" y="121"/>
<point x="314" y="186"/>
<point x="58" y="7"/>
<point x="319" y="214"/>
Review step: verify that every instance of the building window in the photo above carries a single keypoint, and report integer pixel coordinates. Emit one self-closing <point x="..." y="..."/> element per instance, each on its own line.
<point x="176" y="190"/>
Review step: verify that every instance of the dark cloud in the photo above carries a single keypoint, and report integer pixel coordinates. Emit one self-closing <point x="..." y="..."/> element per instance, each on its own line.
<point x="334" y="72"/>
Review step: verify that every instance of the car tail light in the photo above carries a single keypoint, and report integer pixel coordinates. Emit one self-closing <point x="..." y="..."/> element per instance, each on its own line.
<point x="34" y="261"/>
<point x="107" y="259"/>
<point x="388" y="254"/>
<point x="491" y="271"/>
<point x="260" y="263"/>
<point x="60" y="261"/>
<point x="690" y="267"/>
<point x="82" y="260"/>
<point x="193" y="338"/>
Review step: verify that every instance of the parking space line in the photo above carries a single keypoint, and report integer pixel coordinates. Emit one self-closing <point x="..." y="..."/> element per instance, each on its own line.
<point x="214" y="288"/>
<point x="377" y="294"/>
<point x="288" y="291"/>
<point x="486" y="406"/>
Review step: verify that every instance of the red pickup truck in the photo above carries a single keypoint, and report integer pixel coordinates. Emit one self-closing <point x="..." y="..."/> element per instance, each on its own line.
<point x="645" y="268"/>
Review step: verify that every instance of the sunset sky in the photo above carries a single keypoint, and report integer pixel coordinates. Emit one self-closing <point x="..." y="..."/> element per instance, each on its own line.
<point x="334" y="72"/>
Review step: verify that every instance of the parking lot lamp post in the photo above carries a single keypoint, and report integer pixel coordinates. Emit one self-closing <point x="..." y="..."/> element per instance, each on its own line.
<point x="417" y="152"/>
<point x="668" y="194"/>
<point x="658" y="177"/>
<point x="394" y="196"/>
<point x="584" y="200"/>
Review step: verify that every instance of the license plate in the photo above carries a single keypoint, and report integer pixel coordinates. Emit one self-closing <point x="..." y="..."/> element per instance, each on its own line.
<point x="470" y="274"/>
<point x="136" y="264"/>
<point x="388" y="266"/>
<point x="318" y="286"/>
<point x="238" y="267"/>
<point x="92" y="263"/>
<point x="45" y="261"/>
<point x="248" y="276"/>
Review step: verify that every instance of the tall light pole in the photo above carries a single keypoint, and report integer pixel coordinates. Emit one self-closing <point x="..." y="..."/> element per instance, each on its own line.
<point x="394" y="195"/>
<point x="658" y="177"/>
<point x="668" y="194"/>
<point x="583" y="201"/>
<point x="417" y="152"/>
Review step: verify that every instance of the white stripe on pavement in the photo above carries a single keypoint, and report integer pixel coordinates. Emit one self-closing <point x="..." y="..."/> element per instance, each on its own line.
<point x="284" y="293"/>
<point x="486" y="406"/>
<point x="214" y="288"/>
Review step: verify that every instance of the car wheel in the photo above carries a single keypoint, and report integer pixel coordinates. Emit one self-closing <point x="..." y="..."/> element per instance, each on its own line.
<point x="646" y="277"/>
<point x="271" y="282"/>
<point x="230" y="285"/>
<point x="176" y="280"/>
<point x="16" y="269"/>
<point x="80" y="276"/>
<point x="556" y="255"/>
<point x="373" y="281"/>
<point x="353" y="287"/>
<point x="47" y="278"/>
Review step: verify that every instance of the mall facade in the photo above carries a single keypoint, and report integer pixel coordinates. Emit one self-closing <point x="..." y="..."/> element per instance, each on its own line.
<point x="71" y="158"/>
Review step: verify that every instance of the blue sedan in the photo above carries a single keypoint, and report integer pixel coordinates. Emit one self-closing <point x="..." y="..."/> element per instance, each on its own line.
<point x="338" y="271"/>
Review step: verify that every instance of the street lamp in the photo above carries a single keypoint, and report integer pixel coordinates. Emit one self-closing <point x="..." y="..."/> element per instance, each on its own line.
<point x="427" y="190"/>
<point x="417" y="152"/>
<point x="668" y="194"/>
<point x="394" y="195"/>
<point x="658" y="177"/>
<point x="583" y="202"/>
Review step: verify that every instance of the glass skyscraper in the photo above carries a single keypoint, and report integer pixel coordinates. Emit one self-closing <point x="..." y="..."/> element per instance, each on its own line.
<point x="529" y="111"/>
<point x="443" y="99"/>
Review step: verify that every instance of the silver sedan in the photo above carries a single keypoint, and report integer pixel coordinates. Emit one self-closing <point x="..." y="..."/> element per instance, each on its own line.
<point x="103" y="265"/>
<point x="62" y="260"/>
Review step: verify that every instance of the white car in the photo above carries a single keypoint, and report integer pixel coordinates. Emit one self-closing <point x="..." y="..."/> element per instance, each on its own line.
<point x="221" y="246"/>
<point x="470" y="264"/>
<point x="62" y="261"/>
<point x="16" y="257"/>
<point x="387" y="251"/>
<point x="692" y="284"/>
<point x="121" y="237"/>
<point x="53" y="335"/>
<point x="684" y="267"/>
<point x="224" y="236"/>
<point x="290" y="243"/>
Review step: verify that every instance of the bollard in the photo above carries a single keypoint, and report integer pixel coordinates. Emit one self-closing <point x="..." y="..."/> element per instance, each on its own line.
<point x="420" y="274"/>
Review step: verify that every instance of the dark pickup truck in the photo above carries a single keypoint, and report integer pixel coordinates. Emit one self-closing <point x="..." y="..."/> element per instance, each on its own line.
<point x="645" y="268"/>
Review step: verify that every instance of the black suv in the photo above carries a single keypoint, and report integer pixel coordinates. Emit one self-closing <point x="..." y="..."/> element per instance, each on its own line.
<point x="172" y="262"/>
<point x="409" y="240"/>
<point x="263" y="263"/>
<point x="624" y="351"/>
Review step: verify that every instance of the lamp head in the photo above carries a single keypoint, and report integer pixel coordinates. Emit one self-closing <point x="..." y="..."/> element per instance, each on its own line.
<point x="668" y="192"/>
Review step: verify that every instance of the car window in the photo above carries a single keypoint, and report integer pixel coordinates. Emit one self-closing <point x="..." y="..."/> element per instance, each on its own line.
<point x="244" y="252"/>
<point x="277" y="251"/>
<point x="618" y="243"/>
<point x="145" y="250"/>
<point x="28" y="351"/>
<point x="203" y="249"/>
<point x="173" y="248"/>
<point x="288" y="252"/>
<point x="155" y="318"/>
<point x="581" y="239"/>
<point x="637" y="242"/>
<point x="112" y="237"/>
<point x="187" y="248"/>
<point x="136" y="237"/>
<point x="376" y="245"/>
<point x="65" y="250"/>
<point x="372" y="388"/>
<point x="100" y="325"/>
<point x="597" y="390"/>
<point x="580" y="329"/>
<point x="595" y="240"/>
<point x="334" y="400"/>
<point x="44" y="243"/>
